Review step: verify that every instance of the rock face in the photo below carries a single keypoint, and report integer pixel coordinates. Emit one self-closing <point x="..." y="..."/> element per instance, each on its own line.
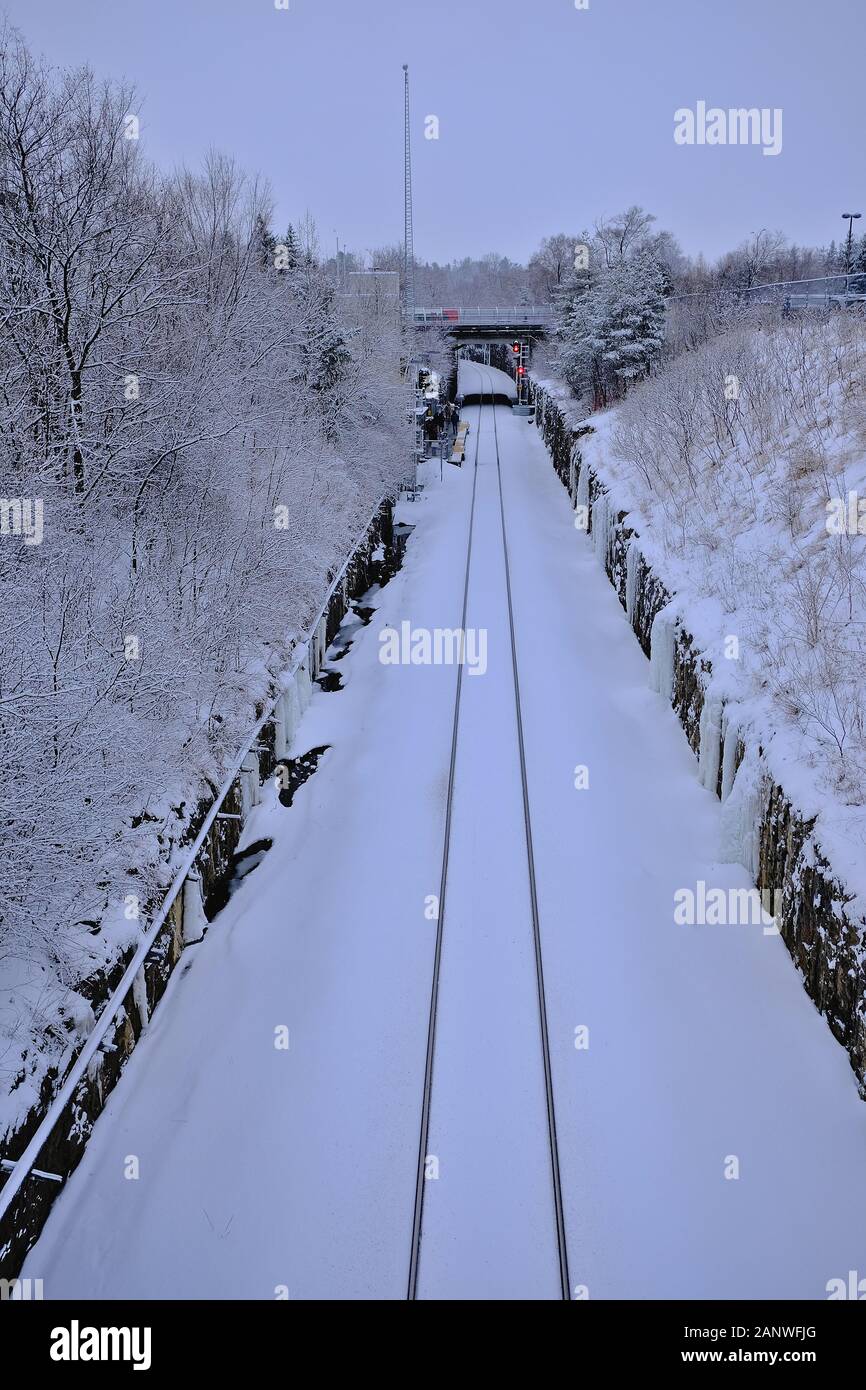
<point x="826" y="945"/>
<point x="825" y="942"/>
<point x="376" y="559"/>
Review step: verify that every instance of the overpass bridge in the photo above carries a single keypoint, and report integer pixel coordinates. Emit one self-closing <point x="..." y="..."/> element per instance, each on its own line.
<point x="488" y="324"/>
<point x="844" y="290"/>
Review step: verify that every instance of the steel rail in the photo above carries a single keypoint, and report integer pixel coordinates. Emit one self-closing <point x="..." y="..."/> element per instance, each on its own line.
<point x="420" y="1180"/>
<point x="559" y="1211"/>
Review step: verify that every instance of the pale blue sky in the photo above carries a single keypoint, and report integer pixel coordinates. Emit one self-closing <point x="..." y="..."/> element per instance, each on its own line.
<point x="549" y="116"/>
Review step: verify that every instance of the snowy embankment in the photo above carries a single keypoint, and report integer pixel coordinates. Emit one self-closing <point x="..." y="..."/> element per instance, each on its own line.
<point x="196" y="869"/>
<point x="713" y="493"/>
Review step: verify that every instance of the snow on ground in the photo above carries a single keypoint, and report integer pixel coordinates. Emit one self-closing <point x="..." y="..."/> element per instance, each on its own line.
<point x="473" y="379"/>
<point x="262" y="1168"/>
<point x="488" y="1224"/>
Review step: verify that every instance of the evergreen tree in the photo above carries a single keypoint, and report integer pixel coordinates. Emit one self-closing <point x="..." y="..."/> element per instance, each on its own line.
<point x="263" y="243"/>
<point x="834" y="261"/>
<point x="632" y="319"/>
<point x="612" y="332"/>
<point x="326" y="361"/>
<point x="858" y="255"/>
<point x="291" y="253"/>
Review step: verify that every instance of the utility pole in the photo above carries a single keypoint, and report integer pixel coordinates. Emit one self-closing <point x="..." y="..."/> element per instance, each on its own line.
<point x="408" y="237"/>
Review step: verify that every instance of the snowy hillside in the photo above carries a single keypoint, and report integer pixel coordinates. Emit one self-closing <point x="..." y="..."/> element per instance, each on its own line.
<point x="736" y="464"/>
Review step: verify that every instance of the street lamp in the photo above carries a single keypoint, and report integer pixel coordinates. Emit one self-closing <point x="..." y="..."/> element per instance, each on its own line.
<point x="850" y="217"/>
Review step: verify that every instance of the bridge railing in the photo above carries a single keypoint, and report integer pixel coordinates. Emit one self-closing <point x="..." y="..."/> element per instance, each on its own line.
<point x="823" y="290"/>
<point x="486" y="316"/>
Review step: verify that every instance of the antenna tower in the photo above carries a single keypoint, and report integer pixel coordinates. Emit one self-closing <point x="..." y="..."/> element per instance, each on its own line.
<point x="408" y="237"/>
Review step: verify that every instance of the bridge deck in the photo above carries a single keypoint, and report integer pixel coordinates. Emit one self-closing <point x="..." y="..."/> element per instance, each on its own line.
<point x="535" y="318"/>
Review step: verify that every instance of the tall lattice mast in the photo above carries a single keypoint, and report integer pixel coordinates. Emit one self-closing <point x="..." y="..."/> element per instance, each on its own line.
<point x="408" y="237"/>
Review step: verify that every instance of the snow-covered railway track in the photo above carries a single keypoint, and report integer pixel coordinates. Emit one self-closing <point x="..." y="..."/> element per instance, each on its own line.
<point x="562" y="1249"/>
<point x="521" y="794"/>
<point x="417" y="1215"/>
